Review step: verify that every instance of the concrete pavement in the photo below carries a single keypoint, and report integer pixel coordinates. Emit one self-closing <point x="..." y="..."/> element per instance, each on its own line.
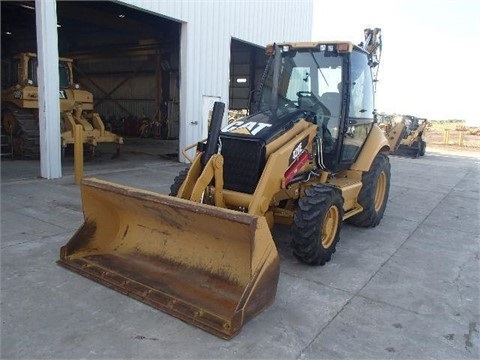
<point x="407" y="289"/>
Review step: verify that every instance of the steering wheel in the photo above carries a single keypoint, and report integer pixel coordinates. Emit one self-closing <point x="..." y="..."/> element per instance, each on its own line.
<point x="315" y="102"/>
<point x="314" y="105"/>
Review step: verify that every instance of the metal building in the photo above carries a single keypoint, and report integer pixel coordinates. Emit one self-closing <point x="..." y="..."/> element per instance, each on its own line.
<point x="217" y="56"/>
<point x="207" y="30"/>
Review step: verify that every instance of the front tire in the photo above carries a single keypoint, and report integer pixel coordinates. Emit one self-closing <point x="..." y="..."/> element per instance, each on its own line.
<point x="178" y="181"/>
<point x="374" y="193"/>
<point x="317" y="224"/>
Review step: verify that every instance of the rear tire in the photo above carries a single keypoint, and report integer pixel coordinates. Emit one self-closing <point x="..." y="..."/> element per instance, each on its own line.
<point x="178" y="181"/>
<point x="317" y="224"/>
<point x="374" y="193"/>
<point x="423" y="147"/>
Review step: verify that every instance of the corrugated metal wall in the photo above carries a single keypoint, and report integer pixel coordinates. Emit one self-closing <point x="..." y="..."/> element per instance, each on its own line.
<point x="131" y="91"/>
<point x="207" y="29"/>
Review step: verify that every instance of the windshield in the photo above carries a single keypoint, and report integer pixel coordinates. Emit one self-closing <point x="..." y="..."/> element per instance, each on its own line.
<point x="63" y="73"/>
<point x="64" y="76"/>
<point x="309" y="80"/>
<point x="305" y="74"/>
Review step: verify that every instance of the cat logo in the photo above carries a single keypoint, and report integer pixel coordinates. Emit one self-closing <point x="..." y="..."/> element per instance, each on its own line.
<point x="298" y="150"/>
<point x="244" y="127"/>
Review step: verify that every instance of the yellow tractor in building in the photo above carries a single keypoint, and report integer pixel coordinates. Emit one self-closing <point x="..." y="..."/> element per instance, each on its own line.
<point x="20" y="108"/>
<point x="311" y="157"/>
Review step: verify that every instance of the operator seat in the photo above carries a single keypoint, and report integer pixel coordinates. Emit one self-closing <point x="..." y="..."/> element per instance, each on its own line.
<point x="332" y="101"/>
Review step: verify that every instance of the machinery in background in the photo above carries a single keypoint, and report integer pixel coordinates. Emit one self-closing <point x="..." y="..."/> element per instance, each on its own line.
<point x="20" y="108"/>
<point x="405" y="134"/>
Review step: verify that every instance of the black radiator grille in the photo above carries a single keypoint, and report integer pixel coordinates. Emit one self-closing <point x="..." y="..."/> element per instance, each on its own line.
<point x="244" y="162"/>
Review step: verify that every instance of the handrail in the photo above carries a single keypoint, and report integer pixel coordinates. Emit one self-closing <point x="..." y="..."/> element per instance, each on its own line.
<point x="184" y="151"/>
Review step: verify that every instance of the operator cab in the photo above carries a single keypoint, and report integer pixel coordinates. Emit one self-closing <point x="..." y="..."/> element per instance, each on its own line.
<point x="332" y="84"/>
<point x="12" y="71"/>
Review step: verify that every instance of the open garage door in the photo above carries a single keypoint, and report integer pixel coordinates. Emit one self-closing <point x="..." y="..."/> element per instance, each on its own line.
<point x="128" y="59"/>
<point x="246" y="67"/>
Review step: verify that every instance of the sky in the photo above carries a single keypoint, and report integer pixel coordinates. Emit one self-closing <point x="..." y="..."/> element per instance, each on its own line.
<point x="430" y="55"/>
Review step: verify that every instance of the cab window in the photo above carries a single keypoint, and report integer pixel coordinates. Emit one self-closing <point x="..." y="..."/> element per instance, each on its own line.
<point x="361" y="87"/>
<point x="63" y="73"/>
<point x="32" y="70"/>
<point x="360" y="108"/>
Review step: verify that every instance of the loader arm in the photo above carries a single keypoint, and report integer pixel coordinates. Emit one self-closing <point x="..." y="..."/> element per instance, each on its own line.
<point x="207" y="164"/>
<point x="395" y="135"/>
<point x="199" y="179"/>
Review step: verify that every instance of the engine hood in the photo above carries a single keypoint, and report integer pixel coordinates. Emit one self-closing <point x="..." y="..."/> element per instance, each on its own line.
<point x="263" y="125"/>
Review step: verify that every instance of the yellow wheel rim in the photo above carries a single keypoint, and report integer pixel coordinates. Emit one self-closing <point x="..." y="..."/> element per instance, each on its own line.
<point x="380" y="191"/>
<point x="330" y="226"/>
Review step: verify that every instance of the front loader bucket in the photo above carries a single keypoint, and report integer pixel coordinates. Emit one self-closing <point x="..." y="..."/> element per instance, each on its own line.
<point x="211" y="267"/>
<point x="410" y="151"/>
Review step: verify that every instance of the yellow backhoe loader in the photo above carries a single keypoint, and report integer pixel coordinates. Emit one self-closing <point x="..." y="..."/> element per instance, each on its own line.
<point x="405" y="134"/>
<point x="312" y="156"/>
<point x="20" y="108"/>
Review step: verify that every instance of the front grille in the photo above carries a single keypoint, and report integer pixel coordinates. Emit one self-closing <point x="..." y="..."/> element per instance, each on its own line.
<point x="244" y="162"/>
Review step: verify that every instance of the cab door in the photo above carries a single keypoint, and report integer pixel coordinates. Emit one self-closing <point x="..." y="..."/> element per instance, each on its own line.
<point x="360" y="107"/>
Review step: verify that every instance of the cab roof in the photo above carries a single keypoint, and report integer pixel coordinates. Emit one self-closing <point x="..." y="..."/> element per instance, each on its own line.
<point x="316" y="44"/>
